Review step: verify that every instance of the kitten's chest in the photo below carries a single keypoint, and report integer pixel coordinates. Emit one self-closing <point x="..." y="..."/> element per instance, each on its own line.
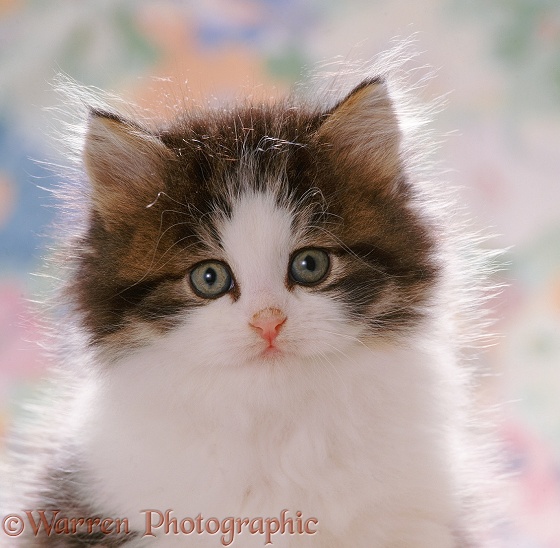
<point x="350" y="437"/>
<point x="227" y="464"/>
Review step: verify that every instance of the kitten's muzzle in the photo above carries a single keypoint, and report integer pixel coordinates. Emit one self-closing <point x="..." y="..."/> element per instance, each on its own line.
<point x="267" y="323"/>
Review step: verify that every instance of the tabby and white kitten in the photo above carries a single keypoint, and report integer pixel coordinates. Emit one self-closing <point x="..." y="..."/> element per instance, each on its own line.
<point x="271" y="301"/>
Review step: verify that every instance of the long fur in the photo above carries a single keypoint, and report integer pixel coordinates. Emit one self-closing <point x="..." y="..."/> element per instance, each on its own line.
<point x="364" y="421"/>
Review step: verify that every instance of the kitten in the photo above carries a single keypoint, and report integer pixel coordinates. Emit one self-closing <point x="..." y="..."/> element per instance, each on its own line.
<point x="270" y="298"/>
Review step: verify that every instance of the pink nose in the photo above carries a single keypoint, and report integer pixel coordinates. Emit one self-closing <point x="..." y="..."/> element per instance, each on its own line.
<point x="268" y="323"/>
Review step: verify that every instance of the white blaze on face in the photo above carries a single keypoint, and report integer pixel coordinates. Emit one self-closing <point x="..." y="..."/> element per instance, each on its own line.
<point x="258" y="241"/>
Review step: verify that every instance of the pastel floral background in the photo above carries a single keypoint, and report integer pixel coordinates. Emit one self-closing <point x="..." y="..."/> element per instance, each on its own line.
<point x="499" y="63"/>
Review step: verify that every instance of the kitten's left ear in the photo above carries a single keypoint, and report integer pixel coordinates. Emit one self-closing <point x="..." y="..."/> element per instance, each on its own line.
<point x="125" y="165"/>
<point x="363" y="131"/>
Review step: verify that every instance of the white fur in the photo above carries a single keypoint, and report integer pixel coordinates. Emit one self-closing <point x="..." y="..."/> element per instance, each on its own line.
<point x="355" y="432"/>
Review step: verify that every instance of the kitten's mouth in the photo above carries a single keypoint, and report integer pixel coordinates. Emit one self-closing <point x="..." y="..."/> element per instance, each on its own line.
<point x="271" y="351"/>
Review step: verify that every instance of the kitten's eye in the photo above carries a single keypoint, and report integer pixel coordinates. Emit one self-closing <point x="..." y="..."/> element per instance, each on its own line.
<point x="309" y="266"/>
<point x="211" y="279"/>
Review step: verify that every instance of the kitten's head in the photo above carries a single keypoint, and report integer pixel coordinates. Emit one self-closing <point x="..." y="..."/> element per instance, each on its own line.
<point x="261" y="233"/>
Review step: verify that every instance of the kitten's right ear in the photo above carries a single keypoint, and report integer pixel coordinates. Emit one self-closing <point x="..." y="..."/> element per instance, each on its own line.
<point x="124" y="163"/>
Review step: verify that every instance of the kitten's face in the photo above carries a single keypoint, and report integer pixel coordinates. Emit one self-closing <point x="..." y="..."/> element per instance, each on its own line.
<point x="266" y="234"/>
<point x="277" y="302"/>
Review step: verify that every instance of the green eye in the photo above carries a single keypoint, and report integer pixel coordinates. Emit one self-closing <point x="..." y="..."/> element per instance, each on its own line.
<point x="309" y="266"/>
<point x="211" y="279"/>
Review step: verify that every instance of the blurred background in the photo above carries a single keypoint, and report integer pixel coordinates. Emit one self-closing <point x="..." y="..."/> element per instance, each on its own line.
<point x="499" y="63"/>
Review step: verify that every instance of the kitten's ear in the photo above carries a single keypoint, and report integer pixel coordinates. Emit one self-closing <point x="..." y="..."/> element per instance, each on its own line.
<point x="363" y="131"/>
<point x="124" y="163"/>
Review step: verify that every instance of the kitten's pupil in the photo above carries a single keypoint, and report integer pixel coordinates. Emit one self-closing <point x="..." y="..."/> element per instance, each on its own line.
<point x="309" y="263"/>
<point x="210" y="276"/>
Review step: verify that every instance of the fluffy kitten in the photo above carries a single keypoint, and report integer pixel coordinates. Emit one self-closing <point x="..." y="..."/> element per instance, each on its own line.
<point x="270" y="302"/>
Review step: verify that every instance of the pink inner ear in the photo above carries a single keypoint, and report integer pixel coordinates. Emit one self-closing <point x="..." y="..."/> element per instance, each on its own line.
<point x="363" y="131"/>
<point x="123" y="163"/>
